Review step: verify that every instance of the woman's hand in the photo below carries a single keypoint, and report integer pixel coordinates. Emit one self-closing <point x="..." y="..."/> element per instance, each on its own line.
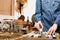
<point x="39" y="25"/>
<point x="52" y="29"/>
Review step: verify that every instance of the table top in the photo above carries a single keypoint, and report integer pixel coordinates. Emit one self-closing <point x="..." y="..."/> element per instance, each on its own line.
<point x="20" y="36"/>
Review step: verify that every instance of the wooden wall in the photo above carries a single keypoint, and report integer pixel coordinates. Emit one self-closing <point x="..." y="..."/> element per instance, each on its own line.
<point x="6" y="7"/>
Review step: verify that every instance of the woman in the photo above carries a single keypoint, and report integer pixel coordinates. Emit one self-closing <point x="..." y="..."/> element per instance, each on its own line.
<point x="48" y="15"/>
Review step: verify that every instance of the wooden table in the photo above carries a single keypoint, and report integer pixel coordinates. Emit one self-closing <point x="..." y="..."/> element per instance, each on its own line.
<point x="18" y="36"/>
<point x="34" y="39"/>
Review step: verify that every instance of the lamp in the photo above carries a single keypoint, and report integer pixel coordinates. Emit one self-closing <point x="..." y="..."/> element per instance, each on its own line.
<point x="20" y="4"/>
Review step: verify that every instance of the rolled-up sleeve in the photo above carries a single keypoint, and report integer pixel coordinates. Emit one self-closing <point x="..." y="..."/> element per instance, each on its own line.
<point x="57" y="21"/>
<point x="38" y="13"/>
<point x="57" y="12"/>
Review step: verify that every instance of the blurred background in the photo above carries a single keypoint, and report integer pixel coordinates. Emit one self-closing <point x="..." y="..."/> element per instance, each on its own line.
<point x="28" y="10"/>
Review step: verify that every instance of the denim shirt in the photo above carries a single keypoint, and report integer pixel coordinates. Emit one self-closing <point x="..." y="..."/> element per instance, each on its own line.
<point x="50" y="13"/>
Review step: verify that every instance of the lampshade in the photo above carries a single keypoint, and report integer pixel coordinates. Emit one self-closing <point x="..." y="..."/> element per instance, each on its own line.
<point x="20" y="4"/>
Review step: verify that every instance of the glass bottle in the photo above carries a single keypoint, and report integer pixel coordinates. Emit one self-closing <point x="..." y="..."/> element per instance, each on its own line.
<point x="28" y="25"/>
